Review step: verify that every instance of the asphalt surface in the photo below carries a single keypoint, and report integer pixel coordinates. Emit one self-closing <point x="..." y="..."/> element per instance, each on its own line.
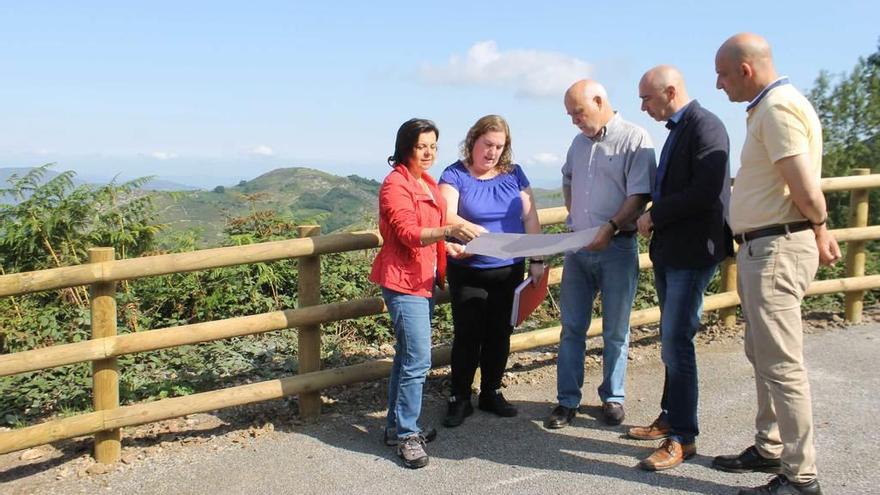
<point x="343" y="453"/>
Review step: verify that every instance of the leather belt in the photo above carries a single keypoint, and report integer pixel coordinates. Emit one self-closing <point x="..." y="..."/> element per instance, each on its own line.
<point x="787" y="228"/>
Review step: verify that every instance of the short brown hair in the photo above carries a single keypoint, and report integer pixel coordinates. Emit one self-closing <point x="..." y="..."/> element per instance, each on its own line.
<point x="408" y="137"/>
<point x="489" y="123"/>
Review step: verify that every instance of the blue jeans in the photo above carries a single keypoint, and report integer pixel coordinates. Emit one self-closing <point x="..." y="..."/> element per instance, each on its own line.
<point x="615" y="272"/>
<point x="411" y="318"/>
<point x="681" y="303"/>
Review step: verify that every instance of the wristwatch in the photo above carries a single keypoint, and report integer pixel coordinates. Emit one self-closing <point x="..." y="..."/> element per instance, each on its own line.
<point x="614" y="226"/>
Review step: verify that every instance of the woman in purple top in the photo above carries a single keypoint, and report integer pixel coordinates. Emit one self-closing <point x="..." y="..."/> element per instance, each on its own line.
<point x="485" y="190"/>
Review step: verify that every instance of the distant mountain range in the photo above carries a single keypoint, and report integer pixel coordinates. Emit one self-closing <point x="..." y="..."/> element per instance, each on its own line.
<point x="303" y="194"/>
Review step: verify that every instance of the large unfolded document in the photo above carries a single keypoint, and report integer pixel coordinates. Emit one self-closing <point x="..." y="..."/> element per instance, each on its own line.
<point x="524" y="245"/>
<point x="527" y="297"/>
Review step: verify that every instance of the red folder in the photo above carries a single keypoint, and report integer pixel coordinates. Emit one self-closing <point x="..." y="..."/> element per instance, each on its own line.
<point x="527" y="297"/>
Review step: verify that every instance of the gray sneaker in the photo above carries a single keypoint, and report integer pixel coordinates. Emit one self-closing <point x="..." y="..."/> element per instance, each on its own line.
<point x="613" y="412"/>
<point x="389" y="435"/>
<point x="412" y="450"/>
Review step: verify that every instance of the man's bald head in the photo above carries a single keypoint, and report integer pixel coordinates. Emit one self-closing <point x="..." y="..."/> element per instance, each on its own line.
<point x="586" y="89"/>
<point x="749" y="48"/>
<point x="586" y="101"/>
<point x="663" y="92"/>
<point x="744" y="64"/>
<point x="663" y="76"/>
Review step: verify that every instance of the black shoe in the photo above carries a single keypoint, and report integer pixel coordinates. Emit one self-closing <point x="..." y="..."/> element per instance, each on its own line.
<point x="560" y="417"/>
<point x="613" y="413"/>
<point x="747" y="461"/>
<point x="495" y="402"/>
<point x="458" y="409"/>
<point x="781" y="486"/>
<point x="389" y="435"/>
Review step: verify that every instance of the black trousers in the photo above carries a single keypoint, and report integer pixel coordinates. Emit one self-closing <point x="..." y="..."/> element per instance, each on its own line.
<point x="481" y="304"/>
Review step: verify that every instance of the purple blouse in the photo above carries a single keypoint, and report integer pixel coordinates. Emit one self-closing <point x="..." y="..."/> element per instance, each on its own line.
<point x="494" y="203"/>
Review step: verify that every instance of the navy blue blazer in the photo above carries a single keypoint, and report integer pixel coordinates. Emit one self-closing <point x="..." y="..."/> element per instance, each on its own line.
<point x="689" y="226"/>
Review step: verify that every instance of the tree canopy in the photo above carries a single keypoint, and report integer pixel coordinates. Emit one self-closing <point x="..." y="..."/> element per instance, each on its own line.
<point x="848" y="105"/>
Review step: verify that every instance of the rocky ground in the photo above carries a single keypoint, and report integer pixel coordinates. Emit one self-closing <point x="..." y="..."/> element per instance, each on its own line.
<point x="32" y="470"/>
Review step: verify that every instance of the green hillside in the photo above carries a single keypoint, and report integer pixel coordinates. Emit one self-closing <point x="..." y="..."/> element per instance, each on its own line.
<point x="548" y="198"/>
<point x="301" y="195"/>
<point x="298" y="194"/>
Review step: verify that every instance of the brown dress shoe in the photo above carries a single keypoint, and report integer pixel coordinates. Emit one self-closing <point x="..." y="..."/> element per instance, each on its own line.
<point x="657" y="430"/>
<point x="668" y="455"/>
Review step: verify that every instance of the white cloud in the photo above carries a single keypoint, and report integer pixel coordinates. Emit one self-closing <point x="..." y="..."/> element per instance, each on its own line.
<point x="262" y="150"/>
<point x="531" y="73"/>
<point x="545" y="159"/>
<point x="163" y="155"/>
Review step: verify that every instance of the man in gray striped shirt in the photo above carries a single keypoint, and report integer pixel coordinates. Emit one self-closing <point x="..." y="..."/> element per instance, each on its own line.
<point x="606" y="181"/>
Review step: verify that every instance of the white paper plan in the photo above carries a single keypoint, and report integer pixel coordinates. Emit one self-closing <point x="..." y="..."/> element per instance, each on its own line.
<point x="525" y="245"/>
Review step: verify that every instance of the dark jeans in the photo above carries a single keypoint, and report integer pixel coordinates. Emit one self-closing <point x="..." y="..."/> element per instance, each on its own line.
<point x="681" y="303"/>
<point x="481" y="304"/>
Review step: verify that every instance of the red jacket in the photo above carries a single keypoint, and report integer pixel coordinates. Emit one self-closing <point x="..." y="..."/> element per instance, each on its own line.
<point x="404" y="264"/>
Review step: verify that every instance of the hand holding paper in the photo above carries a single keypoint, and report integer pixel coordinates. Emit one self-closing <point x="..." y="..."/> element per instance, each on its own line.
<point x="508" y="246"/>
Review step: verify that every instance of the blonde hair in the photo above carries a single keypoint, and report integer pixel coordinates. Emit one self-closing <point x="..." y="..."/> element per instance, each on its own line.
<point x="489" y="123"/>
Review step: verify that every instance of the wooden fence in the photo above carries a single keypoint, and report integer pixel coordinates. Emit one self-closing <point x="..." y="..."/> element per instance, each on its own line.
<point x="102" y="272"/>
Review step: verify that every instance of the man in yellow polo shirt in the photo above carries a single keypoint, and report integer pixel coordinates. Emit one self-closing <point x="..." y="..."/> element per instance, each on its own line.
<point x="777" y="213"/>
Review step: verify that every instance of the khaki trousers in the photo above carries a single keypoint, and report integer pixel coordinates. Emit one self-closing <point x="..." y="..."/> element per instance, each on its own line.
<point x="773" y="274"/>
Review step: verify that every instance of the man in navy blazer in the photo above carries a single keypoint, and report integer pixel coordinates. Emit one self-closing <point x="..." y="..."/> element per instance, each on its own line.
<point x="689" y="238"/>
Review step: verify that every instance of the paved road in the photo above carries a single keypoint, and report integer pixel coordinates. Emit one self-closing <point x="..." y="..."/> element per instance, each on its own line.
<point x="487" y="454"/>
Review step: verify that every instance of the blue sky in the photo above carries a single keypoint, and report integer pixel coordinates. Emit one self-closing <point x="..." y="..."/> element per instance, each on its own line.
<point x="209" y="93"/>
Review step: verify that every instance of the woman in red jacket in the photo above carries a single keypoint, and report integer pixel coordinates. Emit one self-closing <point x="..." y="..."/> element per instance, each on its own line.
<point x="412" y="221"/>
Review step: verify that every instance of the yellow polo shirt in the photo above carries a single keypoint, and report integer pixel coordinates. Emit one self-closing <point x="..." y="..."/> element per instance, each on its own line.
<point x="782" y="124"/>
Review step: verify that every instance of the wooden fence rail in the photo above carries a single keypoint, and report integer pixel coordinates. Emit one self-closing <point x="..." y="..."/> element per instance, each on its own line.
<point x="152" y="340"/>
<point x="138" y="414"/>
<point x="102" y="273"/>
<point x="129" y="269"/>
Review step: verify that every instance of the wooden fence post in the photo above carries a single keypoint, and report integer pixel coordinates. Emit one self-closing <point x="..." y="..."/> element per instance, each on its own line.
<point x="105" y="374"/>
<point x="855" y="250"/>
<point x="728" y="284"/>
<point x="309" y="349"/>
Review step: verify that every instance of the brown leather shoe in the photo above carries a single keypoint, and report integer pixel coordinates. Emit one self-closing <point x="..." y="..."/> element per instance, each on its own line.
<point x="668" y="455"/>
<point x="657" y="430"/>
